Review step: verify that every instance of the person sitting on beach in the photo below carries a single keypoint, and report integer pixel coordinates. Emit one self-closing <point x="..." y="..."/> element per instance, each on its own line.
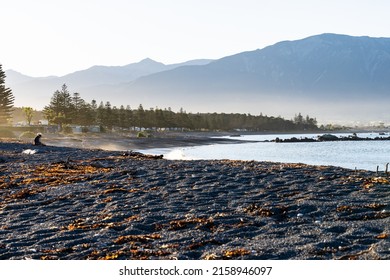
<point x="37" y="140"/>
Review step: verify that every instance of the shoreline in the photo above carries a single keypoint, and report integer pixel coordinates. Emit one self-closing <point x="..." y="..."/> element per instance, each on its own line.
<point x="159" y="140"/>
<point x="151" y="143"/>
<point x="112" y="142"/>
<point x="70" y="203"/>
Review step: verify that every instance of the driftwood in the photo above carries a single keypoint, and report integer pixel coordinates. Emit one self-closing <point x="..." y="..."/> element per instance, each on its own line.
<point x="141" y="155"/>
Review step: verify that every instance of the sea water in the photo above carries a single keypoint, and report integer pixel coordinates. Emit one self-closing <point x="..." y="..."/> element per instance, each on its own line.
<point x="368" y="155"/>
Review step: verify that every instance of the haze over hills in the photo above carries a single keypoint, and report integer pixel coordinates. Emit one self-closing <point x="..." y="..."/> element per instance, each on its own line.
<point x="96" y="82"/>
<point x="329" y="76"/>
<point x="333" y="77"/>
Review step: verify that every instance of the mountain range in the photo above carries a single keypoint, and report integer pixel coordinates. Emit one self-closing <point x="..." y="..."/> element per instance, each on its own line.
<point x="93" y="83"/>
<point x="328" y="76"/>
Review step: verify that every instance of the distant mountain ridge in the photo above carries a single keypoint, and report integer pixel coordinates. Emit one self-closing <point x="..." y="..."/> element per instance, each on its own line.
<point x="320" y="63"/>
<point x="327" y="75"/>
<point x="112" y="75"/>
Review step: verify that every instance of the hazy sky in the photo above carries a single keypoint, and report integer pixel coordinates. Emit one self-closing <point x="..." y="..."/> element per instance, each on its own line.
<point x="56" y="37"/>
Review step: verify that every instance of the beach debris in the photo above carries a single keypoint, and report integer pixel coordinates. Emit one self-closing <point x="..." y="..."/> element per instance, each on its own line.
<point x="67" y="163"/>
<point x="24" y="193"/>
<point x="365" y="181"/>
<point x="200" y="223"/>
<point x="375" y="206"/>
<point x="371" y="182"/>
<point x="170" y="246"/>
<point x="372" y="211"/>
<point x="197" y="245"/>
<point x="344" y="208"/>
<point x="356" y="256"/>
<point x="54" y="175"/>
<point x="84" y="225"/>
<point x="112" y="256"/>
<point x="278" y="212"/>
<point x="115" y="190"/>
<point x="30" y="152"/>
<point x="137" y="238"/>
<point x="133" y="253"/>
<point x="382" y="236"/>
<point x="210" y="256"/>
<point x="58" y="250"/>
<point x="350" y="208"/>
<point x="141" y="155"/>
<point x="229" y="254"/>
<point x="258" y="210"/>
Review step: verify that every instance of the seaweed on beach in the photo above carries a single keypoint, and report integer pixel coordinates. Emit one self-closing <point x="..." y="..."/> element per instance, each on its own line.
<point x="278" y="212"/>
<point x="137" y="238"/>
<point x="231" y="254"/>
<point x="50" y="175"/>
<point x="198" y="223"/>
<point x="366" y="182"/>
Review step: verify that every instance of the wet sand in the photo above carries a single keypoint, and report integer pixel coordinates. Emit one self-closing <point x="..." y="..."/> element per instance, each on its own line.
<point x="115" y="142"/>
<point x="71" y="203"/>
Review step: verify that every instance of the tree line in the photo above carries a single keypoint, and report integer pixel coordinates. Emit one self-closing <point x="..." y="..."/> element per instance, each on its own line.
<point x="6" y="100"/>
<point x="71" y="109"/>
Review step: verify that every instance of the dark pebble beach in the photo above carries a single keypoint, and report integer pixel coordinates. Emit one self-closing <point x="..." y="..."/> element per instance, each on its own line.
<point x="78" y="204"/>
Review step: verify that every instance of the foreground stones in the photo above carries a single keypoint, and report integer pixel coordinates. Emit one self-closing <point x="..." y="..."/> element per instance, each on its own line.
<point x="63" y="203"/>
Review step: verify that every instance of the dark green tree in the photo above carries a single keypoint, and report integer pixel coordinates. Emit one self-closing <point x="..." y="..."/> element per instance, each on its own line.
<point x="122" y="117"/>
<point x="93" y="112"/>
<point x="129" y="117"/>
<point x="109" y="115"/>
<point x="83" y="113"/>
<point x="6" y="99"/>
<point x="140" y="117"/>
<point x="60" y="110"/>
<point x="100" y="114"/>
<point x="78" y="103"/>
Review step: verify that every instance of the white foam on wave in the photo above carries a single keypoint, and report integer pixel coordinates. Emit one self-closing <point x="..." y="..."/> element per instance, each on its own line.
<point x="176" y="154"/>
<point x="170" y="153"/>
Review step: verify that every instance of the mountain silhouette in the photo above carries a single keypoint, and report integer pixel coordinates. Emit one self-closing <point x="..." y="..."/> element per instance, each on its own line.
<point x="320" y="74"/>
<point x="330" y="76"/>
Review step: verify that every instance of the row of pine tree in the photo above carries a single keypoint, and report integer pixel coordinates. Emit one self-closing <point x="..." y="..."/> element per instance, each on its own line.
<point x="66" y="108"/>
<point x="70" y="109"/>
<point x="6" y="99"/>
